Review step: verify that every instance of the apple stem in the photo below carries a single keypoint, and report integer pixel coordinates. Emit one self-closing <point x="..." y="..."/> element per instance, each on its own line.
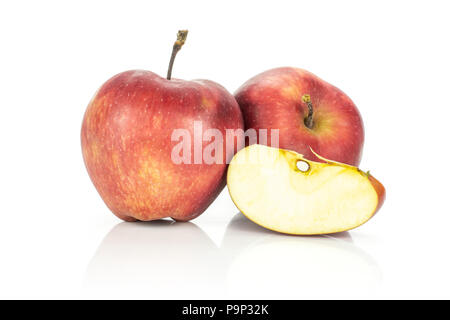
<point x="181" y="39"/>
<point x="309" y="118"/>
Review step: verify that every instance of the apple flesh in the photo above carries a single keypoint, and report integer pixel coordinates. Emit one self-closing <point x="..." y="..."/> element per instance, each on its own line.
<point x="283" y="191"/>
<point x="328" y="121"/>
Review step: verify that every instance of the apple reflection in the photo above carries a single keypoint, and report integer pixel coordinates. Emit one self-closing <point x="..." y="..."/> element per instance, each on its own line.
<point x="165" y="259"/>
<point x="159" y="259"/>
<point x="265" y="264"/>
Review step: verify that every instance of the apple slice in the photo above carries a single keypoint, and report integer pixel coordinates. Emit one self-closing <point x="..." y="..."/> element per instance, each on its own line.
<point x="282" y="191"/>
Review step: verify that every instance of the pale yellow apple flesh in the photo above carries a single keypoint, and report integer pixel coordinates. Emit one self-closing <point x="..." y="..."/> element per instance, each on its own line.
<point x="282" y="191"/>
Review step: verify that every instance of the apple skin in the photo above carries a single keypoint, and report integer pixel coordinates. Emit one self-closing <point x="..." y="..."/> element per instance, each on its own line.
<point x="126" y="144"/>
<point x="381" y="192"/>
<point x="273" y="100"/>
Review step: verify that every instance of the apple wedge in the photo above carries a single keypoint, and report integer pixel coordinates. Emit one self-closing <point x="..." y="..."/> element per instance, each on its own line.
<point x="282" y="191"/>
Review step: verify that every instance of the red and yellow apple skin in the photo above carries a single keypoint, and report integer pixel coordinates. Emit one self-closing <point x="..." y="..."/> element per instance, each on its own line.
<point x="127" y="146"/>
<point x="381" y="191"/>
<point x="273" y="100"/>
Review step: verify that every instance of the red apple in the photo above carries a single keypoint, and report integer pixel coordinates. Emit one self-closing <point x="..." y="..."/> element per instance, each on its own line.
<point x="309" y="113"/>
<point x="127" y="143"/>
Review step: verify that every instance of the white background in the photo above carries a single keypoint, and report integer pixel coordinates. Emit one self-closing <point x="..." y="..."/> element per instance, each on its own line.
<point x="58" y="239"/>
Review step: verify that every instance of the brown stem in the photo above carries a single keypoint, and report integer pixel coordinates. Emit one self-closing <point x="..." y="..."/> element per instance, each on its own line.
<point x="309" y="118"/>
<point x="181" y="38"/>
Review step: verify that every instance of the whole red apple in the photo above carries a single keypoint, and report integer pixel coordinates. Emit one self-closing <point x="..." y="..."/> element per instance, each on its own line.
<point x="309" y="113"/>
<point x="128" y="145"/>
